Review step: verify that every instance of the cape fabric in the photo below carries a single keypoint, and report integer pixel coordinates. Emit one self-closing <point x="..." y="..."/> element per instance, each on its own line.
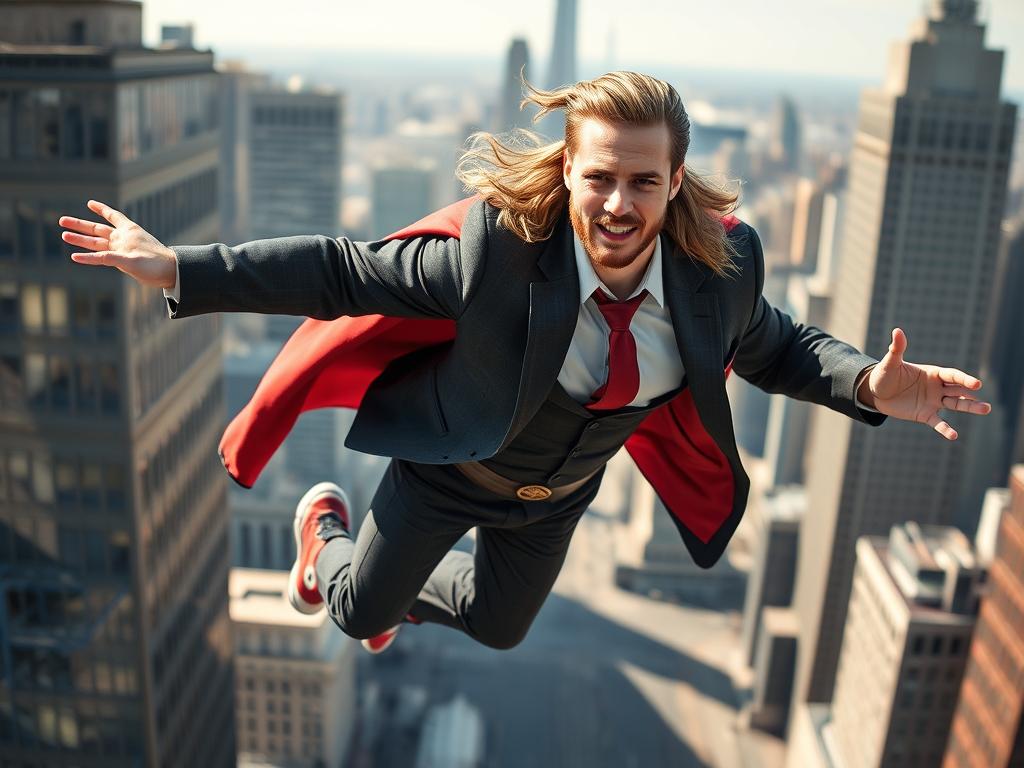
<point x="332" y="363"/>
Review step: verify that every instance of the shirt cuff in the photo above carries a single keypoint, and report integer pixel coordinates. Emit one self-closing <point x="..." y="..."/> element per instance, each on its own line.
<point x="856" y="391"/>
<point x="174" y="292"/>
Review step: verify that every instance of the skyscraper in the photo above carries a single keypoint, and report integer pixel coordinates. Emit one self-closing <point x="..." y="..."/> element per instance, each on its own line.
<point x="115" y="637"/>
<point x="926" y="193"/>
<point x="988" y="727"/>
<point x="294" y="163"/>
<point x="516" y="66"/>
<point x="562" y="66"/>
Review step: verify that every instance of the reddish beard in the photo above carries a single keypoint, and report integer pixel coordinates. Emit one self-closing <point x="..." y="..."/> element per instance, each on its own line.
<point x="602" y="254"/>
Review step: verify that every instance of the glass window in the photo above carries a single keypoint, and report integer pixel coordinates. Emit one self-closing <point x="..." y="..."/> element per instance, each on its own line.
<point x="18" y="472"/>
<point x="42" y="479"/>
<point x="95" y="551"/>
<point x="73" y="126"/>
<point x="99" y="126"/>
<point x="120" y="562"/>
<point x="69" y="546"/>
<point x="48" y="122"/>
<point x="106" y="317"/>
<point x="6" y="224"/>
<point x="57" y="309"/>
<point x="113" y="482"/>
<point x="85" y="387"/>
<point x="65" y="475"/>
<point x="5" y="124"/>
<point x="32" y="308"/>
<point x="26" y="220"/>
<point x="24" y="125"/>
<point x="90" y="488"/>
<point x="110" y="390"/>
<point x="9" y="307"/>
<point x="35" y="378"/>
<point x="60" y="383"/>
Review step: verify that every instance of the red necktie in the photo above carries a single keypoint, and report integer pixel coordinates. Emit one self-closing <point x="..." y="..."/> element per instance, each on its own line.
<point x="623" y="372"/>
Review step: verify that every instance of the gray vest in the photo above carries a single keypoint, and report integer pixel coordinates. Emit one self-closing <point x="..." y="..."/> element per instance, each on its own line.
<point x="564" y="441"/>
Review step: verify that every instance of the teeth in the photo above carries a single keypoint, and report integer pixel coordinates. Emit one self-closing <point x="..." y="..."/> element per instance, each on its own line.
<point x="618" y="230"/>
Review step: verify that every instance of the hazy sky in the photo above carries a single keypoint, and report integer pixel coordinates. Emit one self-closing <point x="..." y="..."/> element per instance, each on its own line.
<point x="830" y="37"/>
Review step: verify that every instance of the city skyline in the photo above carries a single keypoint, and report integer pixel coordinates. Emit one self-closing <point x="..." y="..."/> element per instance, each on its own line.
<point x="798" y="41"/>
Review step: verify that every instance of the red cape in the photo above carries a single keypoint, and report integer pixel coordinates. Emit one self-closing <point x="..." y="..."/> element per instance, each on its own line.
<point x="332" y="364"/>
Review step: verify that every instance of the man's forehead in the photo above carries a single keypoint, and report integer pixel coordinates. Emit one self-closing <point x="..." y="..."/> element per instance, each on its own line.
<point x="622" y="143"/>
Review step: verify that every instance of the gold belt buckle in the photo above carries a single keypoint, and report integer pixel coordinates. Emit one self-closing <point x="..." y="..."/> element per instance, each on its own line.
<point x="533" y="492"/>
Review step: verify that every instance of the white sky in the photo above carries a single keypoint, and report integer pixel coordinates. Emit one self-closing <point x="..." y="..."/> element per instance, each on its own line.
<point x="828" y="37"/>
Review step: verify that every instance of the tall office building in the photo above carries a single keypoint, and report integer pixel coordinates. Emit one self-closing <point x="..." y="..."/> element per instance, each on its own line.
<point x="926" y="191"/>
<point x="517" y="66"/>
<point x="562" y="65"/>
<point x="787" y="143"/>
<point x="294" y="166"/>
<point x="116" y="638"/>
<point x="912" y="610"/>
<point x="988" y="727"/>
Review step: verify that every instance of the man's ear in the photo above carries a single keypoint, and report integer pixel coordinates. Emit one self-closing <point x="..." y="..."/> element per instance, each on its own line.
<point x="677" y="182"/>
<point x="566" y="168"/>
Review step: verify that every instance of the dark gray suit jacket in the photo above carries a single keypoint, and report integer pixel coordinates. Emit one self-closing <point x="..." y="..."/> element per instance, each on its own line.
<point x="515" y="306"/>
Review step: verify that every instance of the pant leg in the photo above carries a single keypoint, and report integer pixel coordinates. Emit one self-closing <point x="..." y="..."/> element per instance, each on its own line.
<point x="494" y="594"/>
<point x="370" y="584"/>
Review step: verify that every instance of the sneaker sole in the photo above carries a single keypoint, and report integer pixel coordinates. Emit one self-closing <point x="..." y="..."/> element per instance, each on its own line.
<point x="307" y="499"/>
<point x="371" y="649"/>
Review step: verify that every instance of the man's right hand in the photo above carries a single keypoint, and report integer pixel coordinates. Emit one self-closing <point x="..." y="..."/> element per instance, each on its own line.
<point x="124" y="245"/>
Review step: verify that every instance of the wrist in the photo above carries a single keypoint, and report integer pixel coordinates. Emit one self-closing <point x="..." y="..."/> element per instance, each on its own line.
<point x="169" y="273"/>
<point x="864" y="395"/>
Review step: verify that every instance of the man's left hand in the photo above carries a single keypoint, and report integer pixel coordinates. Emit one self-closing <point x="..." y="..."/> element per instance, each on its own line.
<point x="918" y="392"/>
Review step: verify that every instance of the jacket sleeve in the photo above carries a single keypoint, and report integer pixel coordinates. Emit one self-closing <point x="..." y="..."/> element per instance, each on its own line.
<point x="801" y="361"/>
<point x="324" y="278"/>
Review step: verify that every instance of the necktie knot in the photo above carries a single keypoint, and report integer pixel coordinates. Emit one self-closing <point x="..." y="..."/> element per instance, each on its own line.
<point x="618" y="314"/>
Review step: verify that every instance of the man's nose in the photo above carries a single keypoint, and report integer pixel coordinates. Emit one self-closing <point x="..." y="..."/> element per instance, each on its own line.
<point x="618" y="203"/>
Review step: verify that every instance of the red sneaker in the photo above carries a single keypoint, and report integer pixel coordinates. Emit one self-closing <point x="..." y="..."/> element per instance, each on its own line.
<point x="380" y="643"/>
<point x="321" y="512"/>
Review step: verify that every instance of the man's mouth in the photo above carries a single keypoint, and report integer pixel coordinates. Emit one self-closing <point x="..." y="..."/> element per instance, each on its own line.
<point x="617" y="231"/>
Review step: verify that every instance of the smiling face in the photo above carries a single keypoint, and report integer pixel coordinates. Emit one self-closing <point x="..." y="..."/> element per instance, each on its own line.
<point x="620" y="181"/>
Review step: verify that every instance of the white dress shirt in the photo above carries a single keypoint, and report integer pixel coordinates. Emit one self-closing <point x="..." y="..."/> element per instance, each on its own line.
<point x="586" y="363"/>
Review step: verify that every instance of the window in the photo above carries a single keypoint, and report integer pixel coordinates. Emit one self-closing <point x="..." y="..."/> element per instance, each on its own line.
<point x="57" y="310"/>
<point x="32" y="308"/>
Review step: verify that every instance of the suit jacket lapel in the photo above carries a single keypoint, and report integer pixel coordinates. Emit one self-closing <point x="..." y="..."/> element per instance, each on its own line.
<point x="554" y="309"/>
<point x="698" y="329"/>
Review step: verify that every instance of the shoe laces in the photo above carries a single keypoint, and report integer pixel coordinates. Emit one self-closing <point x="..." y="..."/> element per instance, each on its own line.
<point x="329" y="525"/>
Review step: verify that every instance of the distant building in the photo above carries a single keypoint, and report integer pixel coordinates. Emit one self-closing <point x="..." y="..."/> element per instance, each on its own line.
<point x="114" y="549"/>
<point x="403" y="193"/>
<point x="295" y="141"/>
<point x="561" y="66"/>
<point x="296" y="678"/>
<point x="786" y="135"/>
<point x="516" y="67"/>
<point x="988" y="727"/>
<point x="933" y="145"/>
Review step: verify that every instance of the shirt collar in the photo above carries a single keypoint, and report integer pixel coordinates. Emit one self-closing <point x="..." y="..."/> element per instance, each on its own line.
<point x="590" y="282"/>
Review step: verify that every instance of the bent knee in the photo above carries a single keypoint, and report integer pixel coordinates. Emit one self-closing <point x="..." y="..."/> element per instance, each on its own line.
<point x="500" y="638"/>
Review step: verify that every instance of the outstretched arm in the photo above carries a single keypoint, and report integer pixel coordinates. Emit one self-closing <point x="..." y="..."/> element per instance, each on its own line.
<point x="914" y="392"/>
<point x="315" y="276"/>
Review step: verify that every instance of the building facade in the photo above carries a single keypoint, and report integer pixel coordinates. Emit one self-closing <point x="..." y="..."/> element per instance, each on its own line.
<point x="114" y="632"/>
<point x="296" y="678"/>
<point x="926" y="194"/>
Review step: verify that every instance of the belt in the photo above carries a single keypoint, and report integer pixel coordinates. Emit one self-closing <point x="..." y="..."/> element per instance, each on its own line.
<point x="510" y="489"/>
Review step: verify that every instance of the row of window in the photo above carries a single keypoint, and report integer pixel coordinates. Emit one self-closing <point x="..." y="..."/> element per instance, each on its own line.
<point x="74" y="485"/>
<point x="62" y="311"/>
<point x="89" y="728"/>
<point x="51" y="670"/>
<point x="168" y="212"/>
<point x="59" y="383"/>
<point x="55" y="123"/>
<point x="295" y="116"/>
<point x="279" y="557"/>
<point x="158" y="114"/>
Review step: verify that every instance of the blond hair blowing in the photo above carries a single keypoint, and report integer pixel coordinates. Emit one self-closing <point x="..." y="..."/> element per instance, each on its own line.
<point x="522" y="175"/>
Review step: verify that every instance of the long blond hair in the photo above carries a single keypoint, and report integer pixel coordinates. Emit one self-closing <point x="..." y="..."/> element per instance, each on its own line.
<point x="522" y="175"/>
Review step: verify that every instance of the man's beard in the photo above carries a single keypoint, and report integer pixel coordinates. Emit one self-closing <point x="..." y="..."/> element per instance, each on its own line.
<point x="602" y="255"/>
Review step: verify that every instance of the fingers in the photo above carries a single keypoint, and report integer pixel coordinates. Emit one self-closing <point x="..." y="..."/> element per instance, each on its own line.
<point x="115" y="217"/>
<point x="942" y="427"/>
<point x="101" y="259"/>
<point x="965" y="405"/>
<point x="92" y="243"/>
<point x="85" y="227"/>
<point x="955" y="376"/>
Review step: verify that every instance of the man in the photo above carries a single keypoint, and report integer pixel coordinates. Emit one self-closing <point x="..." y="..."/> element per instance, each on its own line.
<point x="597" y="295"/>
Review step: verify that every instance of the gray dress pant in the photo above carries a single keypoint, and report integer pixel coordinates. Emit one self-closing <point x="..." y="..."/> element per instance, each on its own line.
<point x="401" y="562"/>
